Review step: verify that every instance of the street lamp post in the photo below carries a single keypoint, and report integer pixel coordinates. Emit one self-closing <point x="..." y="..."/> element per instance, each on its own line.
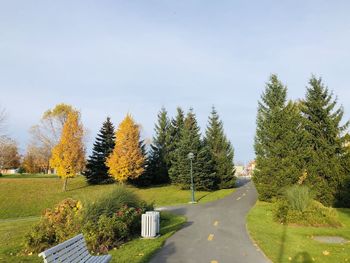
<point x="191" y="156"/>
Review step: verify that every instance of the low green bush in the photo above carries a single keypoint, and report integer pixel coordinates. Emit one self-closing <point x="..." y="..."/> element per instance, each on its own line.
<point x="316" y="214"/>
<point x="108" y="232"/>
<point x="298" y="208"/>
<point x="55" y="226"/>
<point x="299" y="197"/>
<point x="111" y="231"/>
<point x="106" y="223"/>
<point x="111" y="203"/>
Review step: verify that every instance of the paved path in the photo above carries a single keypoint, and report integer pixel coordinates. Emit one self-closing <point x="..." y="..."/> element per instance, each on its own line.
<point x="215" y="232"/>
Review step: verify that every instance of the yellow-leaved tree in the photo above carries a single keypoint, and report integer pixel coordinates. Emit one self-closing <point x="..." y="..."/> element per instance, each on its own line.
<point x="127" y="159"/>
<point x="68" y="156"/>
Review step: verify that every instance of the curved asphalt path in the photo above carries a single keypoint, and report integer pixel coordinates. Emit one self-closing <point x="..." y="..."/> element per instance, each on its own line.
<point x="215" y="232"/>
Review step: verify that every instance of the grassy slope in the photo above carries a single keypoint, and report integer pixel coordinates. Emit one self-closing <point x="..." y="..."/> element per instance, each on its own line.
<point x="11" y="241"/>
<point x="22" y="199"/>
<point x="295" y="244"/>
<point x="135" y="251"/>
<point x="28" y="197"/>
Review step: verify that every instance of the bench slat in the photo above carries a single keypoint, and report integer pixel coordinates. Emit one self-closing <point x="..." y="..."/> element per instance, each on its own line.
<point x="84" y="258"/>
<point x="64" y="250"/>
<point x="62" y="254"/>
<point x="73" y="250"/>
<point x="99" y="259"/>
<point x="62" y="245"/>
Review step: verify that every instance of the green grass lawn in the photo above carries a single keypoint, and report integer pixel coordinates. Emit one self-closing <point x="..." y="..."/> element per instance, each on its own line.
<point x="23" y="196"/>
<point x="141" y="250"/>
<point x="135" y="251"/>
<point x="295" y="244"/>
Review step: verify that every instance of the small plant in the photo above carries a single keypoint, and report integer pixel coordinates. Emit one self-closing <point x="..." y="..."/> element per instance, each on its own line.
<point x="316" y="215"/>
<point x="55" y="226"/>
<point x="299" y="197"/>
<point x="299" y="208"/>
<point x="111" y="231"/>
<point x="112" y="203"/>
<point x="106" y="224"/>
<point x="21" y="170"/>
<point x="107" y="233"/>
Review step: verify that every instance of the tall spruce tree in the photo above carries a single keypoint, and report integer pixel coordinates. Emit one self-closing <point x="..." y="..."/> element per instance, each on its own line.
<point x="96" y="169"/>
<point x="157" y="168"/>
<point x="221" y="151"/>
<point x="173" y="139"/>
<point x="326" y="173"/>
<point x="278" y="142"/>
<point x="190" y="141"/>
<point x="343" y="194"/>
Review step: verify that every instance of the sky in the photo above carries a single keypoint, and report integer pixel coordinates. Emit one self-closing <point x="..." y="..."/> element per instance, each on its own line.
<point x="110" y="58"/>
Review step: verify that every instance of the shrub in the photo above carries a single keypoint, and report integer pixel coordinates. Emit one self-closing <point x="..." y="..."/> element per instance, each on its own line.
<point x="113" y="220"/>
<point x="106" y="224"/>
<point x="55" y="226"/>
<point x="106" y="233"/>
<point x="113" y="202"/>
<point x="315" y="215"/>
<point x="299" y="197"/>
<point x="110" y="232"/>
<point x="131" y="216"/>
<point x="21" y="170"/>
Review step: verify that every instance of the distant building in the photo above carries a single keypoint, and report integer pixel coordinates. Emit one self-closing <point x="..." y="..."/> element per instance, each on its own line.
<point x="9" y="171"/>
<point x="238" y="170"/>
<point x="248" y="169"/>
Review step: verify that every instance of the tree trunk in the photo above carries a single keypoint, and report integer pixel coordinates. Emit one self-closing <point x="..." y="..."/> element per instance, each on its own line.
<point x="65" y="184"/>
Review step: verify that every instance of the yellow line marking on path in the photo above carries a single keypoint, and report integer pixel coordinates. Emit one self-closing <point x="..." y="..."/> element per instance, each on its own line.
<point x="238" y="198"/>
<point x="216" y="223"/>
<point x="214" y="261"/>
<point x="243" y="194"/>
<point x="210" y="237"/>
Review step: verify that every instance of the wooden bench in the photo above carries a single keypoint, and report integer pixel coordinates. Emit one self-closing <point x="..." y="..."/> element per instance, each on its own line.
<point x="73" y="250"/>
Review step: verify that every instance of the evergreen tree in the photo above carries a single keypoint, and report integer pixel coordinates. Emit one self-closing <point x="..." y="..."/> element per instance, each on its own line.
<point x="221" y="151"/>
<point x="190" y="141"/>
<point x="156" y="166"/>
<point x="205" y="177"/>
<point x="343" y="195"/>
<point x="96" y="168"/>
<point x="158" y="156"/>
<point x="173" y="140"/>
<point x="326" y="173"/>
<point x="278" y="142"/>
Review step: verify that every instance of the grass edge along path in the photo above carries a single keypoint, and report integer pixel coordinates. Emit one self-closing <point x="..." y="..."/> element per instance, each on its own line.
<point x="135" y="251"/>
<point x="141" y="250"/>
<point x="282" y="244"/>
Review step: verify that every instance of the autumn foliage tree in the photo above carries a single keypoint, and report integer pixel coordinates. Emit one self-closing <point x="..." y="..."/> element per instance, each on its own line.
<point x="68" y="156"/>
<point x="9" y="155"/>
<point x="46" y="135"/>
<point x="127" y="159"/>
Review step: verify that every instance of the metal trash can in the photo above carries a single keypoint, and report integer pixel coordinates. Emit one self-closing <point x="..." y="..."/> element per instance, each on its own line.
<point x="150" y="224"/>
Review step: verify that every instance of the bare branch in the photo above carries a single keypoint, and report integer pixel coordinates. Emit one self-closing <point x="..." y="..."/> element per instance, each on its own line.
<point x="3" y="117"/>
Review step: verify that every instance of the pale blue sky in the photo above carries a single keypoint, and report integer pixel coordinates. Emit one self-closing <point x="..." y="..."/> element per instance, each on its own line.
<point x="114" y="57"/>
